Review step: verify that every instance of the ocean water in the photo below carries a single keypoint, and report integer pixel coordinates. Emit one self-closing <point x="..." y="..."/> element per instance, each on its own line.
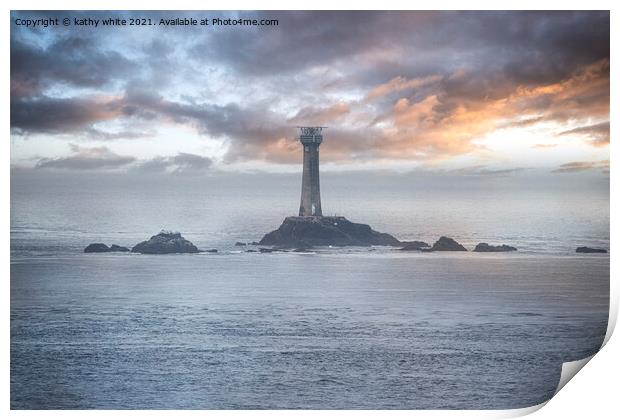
<point x="367" y="328"/>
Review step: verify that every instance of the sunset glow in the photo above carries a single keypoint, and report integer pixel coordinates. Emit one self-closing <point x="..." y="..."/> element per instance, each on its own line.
<point x="400" y="90"/>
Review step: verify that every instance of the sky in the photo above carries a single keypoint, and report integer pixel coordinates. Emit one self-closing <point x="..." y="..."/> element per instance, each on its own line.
<point x="482" y="93"/>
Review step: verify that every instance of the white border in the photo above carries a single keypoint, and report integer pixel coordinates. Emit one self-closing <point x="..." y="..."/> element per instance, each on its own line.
<point x="593" y="395"/>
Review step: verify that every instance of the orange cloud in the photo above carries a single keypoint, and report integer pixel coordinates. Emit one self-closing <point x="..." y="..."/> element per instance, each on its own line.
<point x="441" y="125"/>
<point x="581" y="97"/>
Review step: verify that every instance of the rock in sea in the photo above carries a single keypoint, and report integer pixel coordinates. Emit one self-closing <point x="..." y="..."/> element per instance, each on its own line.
<point x="118" y="248"/>
<point x="484" y="247"/>
<point x="97" y="247"/>
<point x="414" y="245"/>
<point x="588" y="250"/>
<point x="304" y="232"/>
<point x="166" y="243"/>
<point x="240" y="244"/>
<point x="447" y="244"/>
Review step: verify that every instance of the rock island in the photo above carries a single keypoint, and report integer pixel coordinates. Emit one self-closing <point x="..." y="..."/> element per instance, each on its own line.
<point x="311" y="228"/>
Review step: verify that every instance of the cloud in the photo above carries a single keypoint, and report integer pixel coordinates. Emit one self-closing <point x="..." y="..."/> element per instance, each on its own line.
<point x="602" y="165"/>
<point x="529" y="47"/>
<point x="597" y="133"/>
<point x="431" y="127"/>
<point x="321" y="116"/>
<point x="399" y="85"/>
<point x="60" y="115"/>
<point x="583" y="94"/>
<point x="73" y="60"/>
<point x="97" y="134"/>
<point x="182" y="163"/>
<point x="525" y="122"/>
<point x="84" y="158"/>
<point x="482" y="170"/>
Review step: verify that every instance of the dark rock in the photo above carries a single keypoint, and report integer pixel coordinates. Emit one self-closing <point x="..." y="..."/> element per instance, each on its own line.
<point x="251" y="250"/>
<point x="165" y="243"/>
<point x="240" y="244"/>
<point x="484" y="247"/>
<point x="265" y="250"/>
<point x="304" y="232"/>
<point x="254" y="243"/>
<point x="97" y="247"/>
<point x="447" y="244"/>
<point x="212" y="251"/>
<point x="118" y="248"/>
<point x="588" y="250"/>
<point x="414" y="245"/>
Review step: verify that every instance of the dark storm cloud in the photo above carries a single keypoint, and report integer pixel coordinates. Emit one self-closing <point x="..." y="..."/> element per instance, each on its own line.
<point x="251" y="131"/>
<point x="84" y="158"/>
<point x="248" y="128"/>
<point x="529" y="47"/>
<point x="73" y="60"/>
<point x="45" y="114"/>
<point x="301" y="40"/>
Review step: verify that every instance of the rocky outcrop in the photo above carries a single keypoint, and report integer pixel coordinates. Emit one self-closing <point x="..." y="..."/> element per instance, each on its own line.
<point x="99" y="247"/>
<point x="484" y="247"/>
<point x="118" y="248"/>
<point x="447" y="244"/>
<point x="588" y="250"/>
<point x="304" y="232"/>
<point x="240" y="244"/>
<point x="414" y="246"/>
<point x="166" y="243"/>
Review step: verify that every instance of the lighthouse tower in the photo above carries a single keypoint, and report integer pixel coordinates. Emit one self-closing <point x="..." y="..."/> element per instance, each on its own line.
<point x="310" y="138"/>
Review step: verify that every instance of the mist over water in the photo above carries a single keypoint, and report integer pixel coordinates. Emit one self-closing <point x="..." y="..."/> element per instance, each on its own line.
<point x="542" y="214"/>
<point x="340" y="328"/>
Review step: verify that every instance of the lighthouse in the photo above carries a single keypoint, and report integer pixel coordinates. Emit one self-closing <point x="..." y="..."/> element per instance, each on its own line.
<point x="311" y="138"/>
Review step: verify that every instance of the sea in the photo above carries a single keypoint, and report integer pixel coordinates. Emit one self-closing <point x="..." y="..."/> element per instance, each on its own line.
<point x="331" y="328"/>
